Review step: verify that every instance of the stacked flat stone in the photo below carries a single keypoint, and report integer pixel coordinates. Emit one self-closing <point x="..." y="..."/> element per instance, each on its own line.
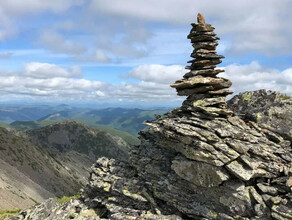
<point x="206" y="92"/>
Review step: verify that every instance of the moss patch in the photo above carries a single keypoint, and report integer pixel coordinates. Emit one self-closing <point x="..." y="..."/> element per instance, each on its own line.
<point x="13" y="211"/>
<point x="67" y="198"/>
<point x="246" y="96"/>
<point x="7" y="214"/>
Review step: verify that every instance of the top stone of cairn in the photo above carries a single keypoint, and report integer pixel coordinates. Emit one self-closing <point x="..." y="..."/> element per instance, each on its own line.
<point x="201" y="19"/>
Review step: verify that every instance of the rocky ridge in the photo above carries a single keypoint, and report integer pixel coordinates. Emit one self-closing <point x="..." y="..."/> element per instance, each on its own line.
<point x="70" y="135"/>
<point x="199" y="161"/>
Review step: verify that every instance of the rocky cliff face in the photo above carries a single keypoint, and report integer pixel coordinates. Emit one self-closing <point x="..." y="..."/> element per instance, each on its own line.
<point x="200" y="161"/>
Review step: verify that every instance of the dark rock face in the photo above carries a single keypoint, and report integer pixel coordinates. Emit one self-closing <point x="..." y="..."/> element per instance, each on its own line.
<point x="271" y="110"/>
<point x="198" y="161"/>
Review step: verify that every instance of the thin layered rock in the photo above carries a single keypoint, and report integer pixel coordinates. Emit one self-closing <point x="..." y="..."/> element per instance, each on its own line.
<point x="114" y="191"/>
<point x="202" y="77"/>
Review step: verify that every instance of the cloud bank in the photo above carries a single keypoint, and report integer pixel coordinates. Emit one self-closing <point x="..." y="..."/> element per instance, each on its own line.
<point x="52" y="82"/>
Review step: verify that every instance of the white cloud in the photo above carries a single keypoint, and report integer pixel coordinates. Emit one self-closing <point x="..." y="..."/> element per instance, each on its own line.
<point x="12" y="10"/>
<point x="123" y="43"/>
<point x="47" y="70"/>
<point x="53" y="41"/>
<point x="122" y="28"/>
<point x="98" y="56"/>
<point x="151" y="83"/>
<point x="53" y="82"/>
<point x="16" y="7"/>
<point x="53" y="89"/>
<point x="253" y="76"/>
<point x="7" y="28"/>
<point x="262" y="26"/>
<point x="157" y="73"/>
<point x="6" y="55"/>
<point x="65" y="25"/>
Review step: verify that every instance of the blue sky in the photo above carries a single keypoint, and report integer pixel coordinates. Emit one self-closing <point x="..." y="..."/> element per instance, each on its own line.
<point x="129" y="51"/>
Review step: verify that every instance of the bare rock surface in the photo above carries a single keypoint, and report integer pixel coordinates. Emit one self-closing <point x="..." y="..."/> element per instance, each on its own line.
<point x="199" y="161"/>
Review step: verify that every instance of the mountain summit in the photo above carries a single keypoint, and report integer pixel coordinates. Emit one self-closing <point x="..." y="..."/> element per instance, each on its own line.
<point x="199" y="161"/>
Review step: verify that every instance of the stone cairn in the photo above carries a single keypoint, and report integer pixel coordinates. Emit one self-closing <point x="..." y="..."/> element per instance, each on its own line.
<point x="206" y="92"/>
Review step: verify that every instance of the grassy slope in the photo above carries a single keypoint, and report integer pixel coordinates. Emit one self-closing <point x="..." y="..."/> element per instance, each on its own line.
<point x="4" y="125"/>
<point x="7" y="214"/>
<point x="130" y="139"/>
<point x="36" y="163"/>
<point x="27" y="125"/>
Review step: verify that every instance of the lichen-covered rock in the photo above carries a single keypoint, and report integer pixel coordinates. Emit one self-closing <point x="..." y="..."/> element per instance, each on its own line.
<point x="200" y="174"/>
<point x="52" y="210"/>
<point x="176" y="146"/>
<point x="271" y="110"/>
<point x="114" y="191"/>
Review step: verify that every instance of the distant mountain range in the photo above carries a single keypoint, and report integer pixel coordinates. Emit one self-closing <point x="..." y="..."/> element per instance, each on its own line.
<point x="51" y="161"/>
<point x="125" y="123"/>
<point x="10" y="113"/>
<point x="129" y="120"/>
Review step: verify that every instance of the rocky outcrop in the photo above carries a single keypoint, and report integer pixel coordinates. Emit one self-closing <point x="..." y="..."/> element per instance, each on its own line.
<point x="114" y="191"/>
<point x="199" y="161"/>
<point x="270" y="110"/>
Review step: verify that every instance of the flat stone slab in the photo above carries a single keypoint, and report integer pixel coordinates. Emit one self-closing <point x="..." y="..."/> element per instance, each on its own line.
<point x="197" y="33"/>
<point x="205" y="45"/>
<point x="206" y="72"/>
<point x="200" y="174"/>
<point x="239" y="170"/>
<point x="203" y="51"/>
<point x="209" y="101"/>
<point x="202" y="27"/>
<point x="200" y="38"/>
<point x="204" y="62"/>
<point x="200" y="67"/>
<point x="221" y="92"/>
<point x="218" y="83"/>
<point x="207" y="55"/>
<point x="214" y="111"/>
<point x="188" y="92"/>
